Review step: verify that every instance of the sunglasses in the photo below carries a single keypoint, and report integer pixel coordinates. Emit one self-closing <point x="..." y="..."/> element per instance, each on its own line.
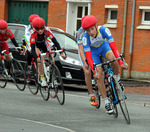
<point x="40" y="28"/>
<point x="3" y="28"/>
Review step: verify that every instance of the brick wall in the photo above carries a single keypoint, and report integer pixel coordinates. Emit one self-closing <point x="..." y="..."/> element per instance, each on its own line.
<point x="140" y="60"/>
<point x="4" y="9"/>
<point x="57" y="12"/>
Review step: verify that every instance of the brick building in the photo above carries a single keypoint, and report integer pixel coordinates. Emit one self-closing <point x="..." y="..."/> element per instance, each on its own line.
<point x="128" y="20"/>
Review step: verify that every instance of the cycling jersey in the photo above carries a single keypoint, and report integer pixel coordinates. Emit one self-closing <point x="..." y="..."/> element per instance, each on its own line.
<point x="93" y="47"/>
<point x="40" y="41"/>
<point x="4" y="38"/>
<point x="28" y="31"/>
<point x="79" y="35"/>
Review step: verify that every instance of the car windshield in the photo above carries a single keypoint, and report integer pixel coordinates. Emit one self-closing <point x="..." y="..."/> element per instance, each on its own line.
<point x="65" y="41"/>
<point x="18" y="31"/>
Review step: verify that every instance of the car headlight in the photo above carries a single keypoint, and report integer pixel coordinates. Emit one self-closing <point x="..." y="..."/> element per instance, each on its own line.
<point x="70" y="61"/>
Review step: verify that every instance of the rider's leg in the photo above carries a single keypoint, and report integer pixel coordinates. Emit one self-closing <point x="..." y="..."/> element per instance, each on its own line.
<point x="102" y="89"/>
<point x="88" y="81"/>
<point x="115" y="66"/>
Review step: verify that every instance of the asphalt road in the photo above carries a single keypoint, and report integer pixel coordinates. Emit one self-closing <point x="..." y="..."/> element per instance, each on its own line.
<point x="23" y="112"/>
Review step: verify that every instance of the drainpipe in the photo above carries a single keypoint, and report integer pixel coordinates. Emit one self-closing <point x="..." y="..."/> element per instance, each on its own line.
<point x="131" y="39"/>
<point x="124" y="30"/>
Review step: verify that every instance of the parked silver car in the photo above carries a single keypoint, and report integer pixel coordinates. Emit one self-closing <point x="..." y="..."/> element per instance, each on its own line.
<point x="70" y="68"/>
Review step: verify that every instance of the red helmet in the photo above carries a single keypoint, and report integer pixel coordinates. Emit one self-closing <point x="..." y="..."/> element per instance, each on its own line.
<point x="3" y="24"/>
<point x="32" y="17"/>
<point x="89" y="22"/>
<point x="83" y="18"/>
<point x="38" y="22"/>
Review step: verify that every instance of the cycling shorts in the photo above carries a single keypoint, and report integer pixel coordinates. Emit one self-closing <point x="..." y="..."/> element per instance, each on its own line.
<point x="103" y="50"/>
<point x="4" y="46"/>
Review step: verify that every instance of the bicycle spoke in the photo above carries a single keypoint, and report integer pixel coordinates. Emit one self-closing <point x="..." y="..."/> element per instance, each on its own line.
<point x="56" y="87"/>
<point x="18" y="75"/>
<point x="98" y="99"/>
<point x="44" y="92"/>
<point x="123" y="106"/>
<point x="3" y="77"/>
<point x="31" y="79"/>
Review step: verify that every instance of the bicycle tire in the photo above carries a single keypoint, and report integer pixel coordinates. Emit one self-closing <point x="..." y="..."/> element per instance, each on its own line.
<point x="98" y="97"/>
<point x="18" y="75"/>
<point x="56" y="87"/>
<point x="31" y="78"/>
<point x="111" y="96"/>
<point x="3" y="76"/>
<point x="123" y="106"/>
<point x="43" y="90"/>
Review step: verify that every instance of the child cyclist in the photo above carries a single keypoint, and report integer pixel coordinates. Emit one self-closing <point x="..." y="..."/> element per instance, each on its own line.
<point x="95" y="44"/>
<point x="86" y="68"/>
<point x="39" y="43"/>
<point x="26" y="40"/>
<point x="5" y="34"/>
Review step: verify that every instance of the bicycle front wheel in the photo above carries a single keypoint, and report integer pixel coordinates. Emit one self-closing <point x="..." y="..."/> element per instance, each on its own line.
<point x="98" y="97"/>
<point x="18" y="74"/>
<point x="123" y="106"/>
<point x="3" y="77"/>
<point x="31" y="78"/>
<point x="113" y="95"/>
<point x="56" y="88"/>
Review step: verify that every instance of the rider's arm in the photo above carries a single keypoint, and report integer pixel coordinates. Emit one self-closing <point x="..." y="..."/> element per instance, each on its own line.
<point x="82" y="53"/>
<point x="12" y="37"/>
<point x="33" y="51"/>
<point x="56" y="43"/>
<point x="86" y="47"/>
<point x="14" y="42"/>
<point x="107" y="34"/>
<point x="32" y="42"/>
<point x="79" y="35"/>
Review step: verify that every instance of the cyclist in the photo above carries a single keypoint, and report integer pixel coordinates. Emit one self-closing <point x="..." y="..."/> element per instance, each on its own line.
<point x="5" y="34"/>
<point x="95" y="44"/>
<point x="39" y="43"/>
<point x="26" y="39"/>
<point x="86" y="68"/>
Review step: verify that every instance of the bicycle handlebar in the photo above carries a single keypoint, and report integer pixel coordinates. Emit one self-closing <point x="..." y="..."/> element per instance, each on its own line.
<point x="52" y="52"/>
<point x="11" y="49"/>
<point x="108" y="62"/>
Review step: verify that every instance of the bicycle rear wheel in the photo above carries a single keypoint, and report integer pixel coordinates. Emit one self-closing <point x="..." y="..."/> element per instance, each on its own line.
<point x="18" y="74"/>
<point x="3" y="77"/>
<point x="123" y="106"/>
<point x="56" y="87"/>
<point x="31" y="78"/>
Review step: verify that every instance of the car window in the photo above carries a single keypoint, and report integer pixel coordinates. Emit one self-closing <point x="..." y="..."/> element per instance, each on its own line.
<point x="65" y="41"/>
<point x="19" y="35"/>
<point x="18" y="32"/>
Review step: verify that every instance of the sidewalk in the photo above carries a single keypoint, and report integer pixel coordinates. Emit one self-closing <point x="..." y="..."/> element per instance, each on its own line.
<point x="133" y="86"/>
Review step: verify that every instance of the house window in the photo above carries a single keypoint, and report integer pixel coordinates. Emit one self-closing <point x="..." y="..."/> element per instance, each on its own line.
<point x="112" y="16"/>
<point x="145" y="17"/>
<point x="111" y="13"/>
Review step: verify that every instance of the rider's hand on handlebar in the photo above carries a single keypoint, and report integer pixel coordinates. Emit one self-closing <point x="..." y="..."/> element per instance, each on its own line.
<point x="124" y="66"/>
<point x="63" y="56"/>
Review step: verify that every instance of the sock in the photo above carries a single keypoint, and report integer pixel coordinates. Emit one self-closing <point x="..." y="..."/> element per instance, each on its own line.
<point x="42" y="77"/>
<point x="106" y="101"/>
<point x="118" y="77"/>
<point x="91" y="94"/>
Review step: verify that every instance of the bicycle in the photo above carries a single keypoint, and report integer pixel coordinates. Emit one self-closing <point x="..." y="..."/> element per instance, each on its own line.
<point x="115" y="94"/>
<point x="54" y="81"/>
<point x="15" y="71"/>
